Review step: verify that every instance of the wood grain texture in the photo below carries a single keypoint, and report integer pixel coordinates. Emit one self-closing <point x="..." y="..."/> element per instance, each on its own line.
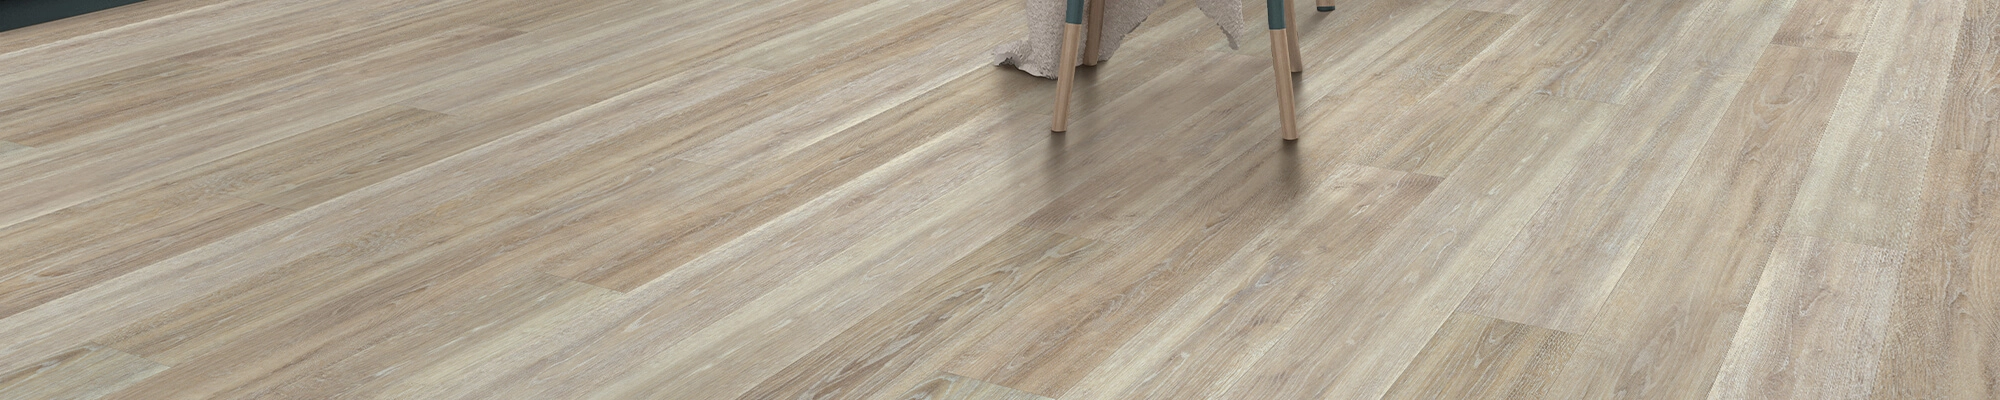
<point x="1474" y="357"/>
<point x="1412" y="70"/>
<point x="345" y="357"/>
<point x="100" y="161"/>
<point x="1867" y="174"/>
<point x="1689" y="303"/>
<point x="1973" y="92"/>
<point x="1623" y="52"/>
<point x="1364" y="333"/>
<point x="11" y="150"/>
<point x="1434" y="135"/>
<point x="957" y="303"/>
<point x="1113" y="207"/>
<point x="954" y="387"/>
<point x="1786" y="347"/>
<point x="1944" y="330"/>
<point x="1737" y="189"/>
<point x="1221" y="327"/>
<point x="1827" y="24"/>
<point x="844" y="199"/>
<point x="1516" y="7"/>
<point x="91" y="371"/>
<point x="1180" y="244"/>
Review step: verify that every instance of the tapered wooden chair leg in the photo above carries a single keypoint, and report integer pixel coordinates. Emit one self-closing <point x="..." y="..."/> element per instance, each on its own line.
<point x="1093" y="27"/>
<point x="1066" y="65"/>
<point x="1292" y="38"/>
<point x="1281" y="67"/>
<point x="1325" y="5"/>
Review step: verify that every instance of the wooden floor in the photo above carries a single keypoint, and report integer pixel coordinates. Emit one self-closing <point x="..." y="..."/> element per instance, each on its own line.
<point x="710" y="199"/>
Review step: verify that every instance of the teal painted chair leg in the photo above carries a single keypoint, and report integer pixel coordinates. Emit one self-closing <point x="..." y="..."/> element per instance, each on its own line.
<point x="1066" y="65"/>
<point x="1281" y="66"/>
<point x="1325" y="5"/>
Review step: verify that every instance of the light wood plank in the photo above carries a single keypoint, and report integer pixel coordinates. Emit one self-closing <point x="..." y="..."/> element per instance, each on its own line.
<point x="315" y="166"/>
<point x="430" y="244"/>
<point x="239" y="257"/>
<point x="621" y="198"/>
<point x="101" y="21"/>
<point x="1346" y="45"/>
<point x="750" y="265"/>
<point x="1366" y="329"/>
<point x="87" y="372"/>
<point x="1401" y="77"/>
<point x="948" y="309"/>
<point x="1866" y="177"/>
<point x="346" y="359"/>
<point x="161" y="92"/>
<point x="1726" y="209"/>
<point x="153" y="40"/>
<point x="61" y="112"/>
<point x="838" y="286"/>
<point x="1828" y="24"/>
<point x="7" y="147"/>
<point x="1661" y="330"/>
<point x="1474" y="357"/>
<point x="1221" y="326"/>
<point x="1434" y="135"/>
<point x="954" y="387"/>
<point x="1622" y="53"/>
<point x="1516" y="7"/>
<point x="926" y="65"/>
<point x="743" y="202"/>
<point x="813" y="36"/>
<point x="1944" y="328"/>
<point x="1973" y="92"/>
<point x="103" y="161"/>
<point x="68" y="251"/>
<point x="1110" y="208"/>
<point x="1075" y="327"/>
<point x="1815" y="327"/>
<point x="71" y="249"/>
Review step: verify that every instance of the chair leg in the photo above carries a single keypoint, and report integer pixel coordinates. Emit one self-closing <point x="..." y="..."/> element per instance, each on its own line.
<point x="1066" y="65"/>
<point x="1292" y="38"/>
<point x="1094" y="27"/>
<point x="1325" y="5"/>
<point x="1281" y="67"/>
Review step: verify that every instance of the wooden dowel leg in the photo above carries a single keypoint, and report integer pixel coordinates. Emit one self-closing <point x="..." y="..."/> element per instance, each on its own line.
<point x="1066" y="76"/>
<point x="1292" y="38"/>
<point x="1093" y="26"/>
<point x="1282" y="69"/>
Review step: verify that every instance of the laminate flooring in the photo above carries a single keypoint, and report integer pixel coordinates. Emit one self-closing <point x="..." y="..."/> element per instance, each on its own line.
<point x="844" y="199"/>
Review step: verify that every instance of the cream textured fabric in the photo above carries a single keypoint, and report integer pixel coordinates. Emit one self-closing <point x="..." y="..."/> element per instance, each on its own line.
<point x="1037" y="53"/>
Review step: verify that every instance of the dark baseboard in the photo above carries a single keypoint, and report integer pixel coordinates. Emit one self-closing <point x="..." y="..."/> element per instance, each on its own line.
<point x="19" y="13"/>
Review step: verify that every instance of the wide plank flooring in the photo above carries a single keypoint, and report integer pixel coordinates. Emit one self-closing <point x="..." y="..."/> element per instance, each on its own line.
<point x="844" y="199"/>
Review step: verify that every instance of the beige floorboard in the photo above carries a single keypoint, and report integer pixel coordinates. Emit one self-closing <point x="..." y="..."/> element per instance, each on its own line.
<point x="1787" y="348"/>
<point x="1867" y="175"/>
<point x="845" y="199"/>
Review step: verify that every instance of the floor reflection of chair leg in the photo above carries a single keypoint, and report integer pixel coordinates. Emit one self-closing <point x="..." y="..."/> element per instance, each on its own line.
<point x="1066" y="65"/>
<point x="1093" y="29"/>
<point x="1292" y="38"/>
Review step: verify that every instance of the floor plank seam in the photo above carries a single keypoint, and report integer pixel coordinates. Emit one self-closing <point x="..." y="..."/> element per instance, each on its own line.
<point x="1817" y="48"/>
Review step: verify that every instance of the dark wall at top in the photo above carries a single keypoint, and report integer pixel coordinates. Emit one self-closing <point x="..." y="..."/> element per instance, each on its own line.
<point x="20" y="13"/>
